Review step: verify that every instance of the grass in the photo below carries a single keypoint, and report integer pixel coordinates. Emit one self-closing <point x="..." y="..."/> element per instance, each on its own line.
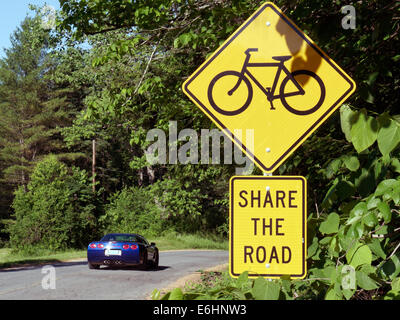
<point x="170" y="241"/>
<point x="189" y="241"/>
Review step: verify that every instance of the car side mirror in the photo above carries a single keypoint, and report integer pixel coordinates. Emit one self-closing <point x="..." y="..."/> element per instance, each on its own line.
<point x="153" y="244"/>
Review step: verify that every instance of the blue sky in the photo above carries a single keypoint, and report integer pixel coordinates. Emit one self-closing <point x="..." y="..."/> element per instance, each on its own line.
<point x="12" y="12"/>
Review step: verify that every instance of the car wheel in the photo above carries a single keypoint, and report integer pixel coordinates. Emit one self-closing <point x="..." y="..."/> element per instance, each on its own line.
<point x="93" y="266"/>
<point x="145" y="262"/>
<point x="156" y="260"/>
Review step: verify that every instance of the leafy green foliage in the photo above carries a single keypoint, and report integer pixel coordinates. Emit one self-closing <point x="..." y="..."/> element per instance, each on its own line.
<point x="132" y="211"/>
<point x="56" y="212"/>
<point x="154" y="210"/>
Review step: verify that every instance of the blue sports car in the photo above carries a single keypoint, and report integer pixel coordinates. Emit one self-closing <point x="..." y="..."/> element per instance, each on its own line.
<point x="121" y="249"/>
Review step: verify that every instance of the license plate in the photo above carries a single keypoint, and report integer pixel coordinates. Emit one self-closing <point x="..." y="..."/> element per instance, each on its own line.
<point x="110" y="252"/>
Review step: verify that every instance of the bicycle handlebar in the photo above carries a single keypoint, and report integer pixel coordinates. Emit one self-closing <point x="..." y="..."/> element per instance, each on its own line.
<point x="251" y="50"/>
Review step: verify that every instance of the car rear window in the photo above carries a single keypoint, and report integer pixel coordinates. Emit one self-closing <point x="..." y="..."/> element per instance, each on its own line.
<point x="120" y="237"/>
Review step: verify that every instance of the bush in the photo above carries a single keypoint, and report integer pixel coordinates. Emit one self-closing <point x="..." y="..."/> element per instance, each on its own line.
<point x="153" y="210"/>
<point x="56" y="211"/>
<point x="132" y="210"/>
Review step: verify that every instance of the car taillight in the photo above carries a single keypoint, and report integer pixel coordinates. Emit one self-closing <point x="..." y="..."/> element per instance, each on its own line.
<point x="101" y="246"/>
<point x="92" y="245"/>
<point x="134" y="247"/>
<point x="125" y="246"/>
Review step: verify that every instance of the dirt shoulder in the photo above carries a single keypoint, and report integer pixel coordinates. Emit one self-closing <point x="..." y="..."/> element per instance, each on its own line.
<point x="189" y="279"/>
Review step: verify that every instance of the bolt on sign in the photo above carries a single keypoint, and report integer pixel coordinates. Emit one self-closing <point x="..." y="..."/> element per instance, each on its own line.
<point x="268" y="226"/>
<point x="271" y="78"/>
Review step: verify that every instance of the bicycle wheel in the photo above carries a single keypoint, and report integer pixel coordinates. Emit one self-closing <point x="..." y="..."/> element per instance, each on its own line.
<point x="241" y="79"/>
<point x="298" y="110"/>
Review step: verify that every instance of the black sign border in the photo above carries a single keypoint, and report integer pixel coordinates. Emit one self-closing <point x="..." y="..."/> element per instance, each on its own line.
<point x="228" y="132"/>
<point x="304" y="225"/>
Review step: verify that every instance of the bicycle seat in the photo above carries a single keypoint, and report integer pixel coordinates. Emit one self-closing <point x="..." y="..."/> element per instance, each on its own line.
<point x="282" y="58"/>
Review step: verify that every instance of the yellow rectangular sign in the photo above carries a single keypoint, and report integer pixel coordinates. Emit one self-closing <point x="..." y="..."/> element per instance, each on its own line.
<point x="268" y="226"/>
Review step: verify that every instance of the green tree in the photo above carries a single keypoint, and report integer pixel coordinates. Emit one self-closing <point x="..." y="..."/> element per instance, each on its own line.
<point x="34" y="104"/>
<point x="32" y="108"/>
<point x="56" y="212"/>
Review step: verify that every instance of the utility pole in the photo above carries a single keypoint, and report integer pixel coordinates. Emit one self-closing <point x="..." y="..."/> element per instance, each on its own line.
<point x="94" y="165"/>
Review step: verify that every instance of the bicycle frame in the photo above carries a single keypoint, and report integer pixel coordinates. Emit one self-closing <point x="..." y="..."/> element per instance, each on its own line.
<point x="269" y="92"/>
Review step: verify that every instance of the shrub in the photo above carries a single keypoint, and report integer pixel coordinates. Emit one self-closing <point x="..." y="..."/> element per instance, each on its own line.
<point x="132" y="210"/>
<point x="56" y="211"/>
<point x="153" y="210"/>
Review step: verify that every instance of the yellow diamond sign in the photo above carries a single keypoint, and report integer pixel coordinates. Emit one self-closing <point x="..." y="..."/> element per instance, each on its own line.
<point x="268" y="226"/>
<point x="271" y="81"/>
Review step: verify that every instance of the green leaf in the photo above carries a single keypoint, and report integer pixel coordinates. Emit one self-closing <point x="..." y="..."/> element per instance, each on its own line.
<point x="372" y="203"/>
<point x="176" y="294"/>
<point x="391" y="268"/>
<point x="348" y="293"/>
<point x="365" y="282"/>
<point x="388" y="135"/>
<point x="243" y="278"/>
<point x="356" y="230"/>
<point x="358" y="255"/>
<point x="265" y="290"/>
<point x="396" y="284"/>
<point x="364" y="131"/>
<point x="370" y="219"/>
<point x="156" y="294"/>
<point x="331" y="224"/>
<point x="351" y="163"/>
<point x="376" y="248"/>
<point x="325" y="240"/>
<point x="334" y="249"/>
<point x="395" y="165"/>
<point x="312" y="249"/>
<point x="166" y="296"/>
<point x="330" y="197"/>
<point x="346" y="118"/>
<point x="176" y="43"/>
<point x="357" y="212"/>
<point x="185" y="38"/>
<point x="385" y="186"/>
<point x="332" y="294"/>
<point x="333" y="168"/>
<point x="384" y="209"/>
<point x="330" y="273"/>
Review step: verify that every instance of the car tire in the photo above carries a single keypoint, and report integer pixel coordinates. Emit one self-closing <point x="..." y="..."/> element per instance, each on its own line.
<point x="145" y="262"/>
<point x="93" y="266"/>
<point x="156" y="260"/>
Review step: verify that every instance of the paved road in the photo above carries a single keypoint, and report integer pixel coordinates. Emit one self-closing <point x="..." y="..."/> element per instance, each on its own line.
<point x="74" y="280"/>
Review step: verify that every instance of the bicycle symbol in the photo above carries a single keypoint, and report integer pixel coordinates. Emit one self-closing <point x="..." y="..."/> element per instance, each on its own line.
<point x="245" y="74"/>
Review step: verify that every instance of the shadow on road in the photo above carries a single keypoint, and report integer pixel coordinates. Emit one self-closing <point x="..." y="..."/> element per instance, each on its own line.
<point x="54" y="263"/>
<point x="130" y="268"/>
<point x="58" y="264"/>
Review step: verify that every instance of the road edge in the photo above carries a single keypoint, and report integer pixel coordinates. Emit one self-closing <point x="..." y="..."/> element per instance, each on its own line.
<point x="188" y="279"/>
